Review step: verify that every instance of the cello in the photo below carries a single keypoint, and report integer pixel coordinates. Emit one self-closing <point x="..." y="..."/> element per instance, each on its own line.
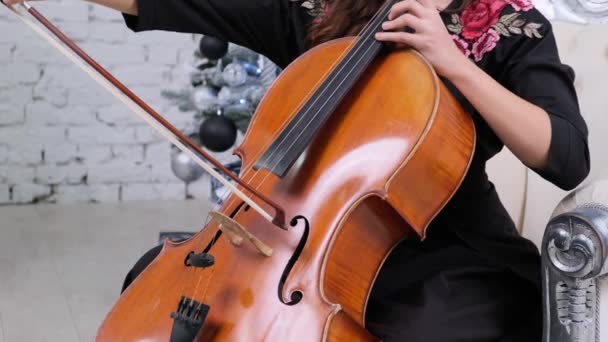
<point x="355" y="148"/>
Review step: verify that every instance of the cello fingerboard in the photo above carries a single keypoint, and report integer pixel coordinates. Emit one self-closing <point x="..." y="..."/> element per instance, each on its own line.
<point x="298" y="133"/>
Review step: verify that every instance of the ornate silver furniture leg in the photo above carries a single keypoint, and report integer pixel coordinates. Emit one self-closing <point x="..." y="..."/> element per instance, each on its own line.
<point x="574" y="252"/>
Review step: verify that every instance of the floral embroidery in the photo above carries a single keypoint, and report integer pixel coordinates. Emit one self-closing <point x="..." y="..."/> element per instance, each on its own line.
<point x="486" y="42"/>
<point x="479" y="17"/>
<point x="316" y="8"/>
<point x="521" y="5"/>
<point x="478" y="28"/>
<point x="462" y="45"/>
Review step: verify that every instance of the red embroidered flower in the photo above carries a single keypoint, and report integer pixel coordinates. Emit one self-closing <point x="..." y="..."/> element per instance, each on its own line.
<point x="479" y="16"/>
<point x="484" y="44"/>
<point x="462" y="45"/>
<point x="521" y="5"/>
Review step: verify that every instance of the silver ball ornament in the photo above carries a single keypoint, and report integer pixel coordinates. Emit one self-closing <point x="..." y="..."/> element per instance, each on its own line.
<point x="204" y="97"/>
<point x="184" y="167"/>
<point x="235" y="74"/>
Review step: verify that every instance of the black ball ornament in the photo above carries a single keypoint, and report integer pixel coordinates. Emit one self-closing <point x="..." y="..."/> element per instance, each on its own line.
<point x="218" y="133"/>
<point x="213" y="48"/>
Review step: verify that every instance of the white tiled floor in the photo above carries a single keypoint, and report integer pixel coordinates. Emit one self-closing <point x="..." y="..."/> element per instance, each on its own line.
<point x="61" y="267"/>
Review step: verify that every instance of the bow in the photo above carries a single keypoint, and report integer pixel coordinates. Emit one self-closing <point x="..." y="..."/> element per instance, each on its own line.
<point x="104" y="78"/>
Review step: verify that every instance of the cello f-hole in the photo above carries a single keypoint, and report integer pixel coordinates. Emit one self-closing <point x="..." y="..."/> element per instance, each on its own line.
<point x="296" y="296"/>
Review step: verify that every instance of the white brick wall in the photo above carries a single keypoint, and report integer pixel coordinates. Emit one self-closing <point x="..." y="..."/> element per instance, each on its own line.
<point x="62" y="137"/>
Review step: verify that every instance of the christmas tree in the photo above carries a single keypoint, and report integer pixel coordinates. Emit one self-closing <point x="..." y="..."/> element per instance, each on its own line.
<point x="227" y="82"/>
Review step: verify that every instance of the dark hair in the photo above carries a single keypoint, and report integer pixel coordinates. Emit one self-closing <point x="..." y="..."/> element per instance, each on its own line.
<point x="349" y="17"/>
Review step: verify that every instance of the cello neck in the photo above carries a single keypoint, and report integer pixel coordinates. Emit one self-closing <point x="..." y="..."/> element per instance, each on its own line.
<point x="296" y="136"/>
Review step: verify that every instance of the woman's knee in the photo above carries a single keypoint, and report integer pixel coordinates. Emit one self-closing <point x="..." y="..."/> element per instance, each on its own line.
<point x="140" y="266"/>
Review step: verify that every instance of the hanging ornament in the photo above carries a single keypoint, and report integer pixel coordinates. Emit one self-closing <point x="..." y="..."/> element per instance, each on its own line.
<point x="184" y="167"/>
<point x="204" y="98"/>
<point x="252" y="69"/>
<point x="227" y="82"/>
<point x="234" y="74"/>
<point x="213" y="48"/>
<point x="218" y="133"/>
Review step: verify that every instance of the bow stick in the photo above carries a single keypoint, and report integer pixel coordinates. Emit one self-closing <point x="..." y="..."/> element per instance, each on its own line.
<point x="143" y="110"/>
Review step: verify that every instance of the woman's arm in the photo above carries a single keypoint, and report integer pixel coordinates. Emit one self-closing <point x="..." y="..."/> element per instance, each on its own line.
<point x="262" y="26"/>
<point x="523" y="127"/>
<point x="535" y="114"/>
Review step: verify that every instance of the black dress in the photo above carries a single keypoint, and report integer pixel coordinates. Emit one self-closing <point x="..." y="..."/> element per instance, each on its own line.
<point x="474" y="278"/>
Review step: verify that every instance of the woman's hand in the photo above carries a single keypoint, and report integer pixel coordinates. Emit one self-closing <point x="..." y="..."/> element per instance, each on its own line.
<point x="430" y="38"/>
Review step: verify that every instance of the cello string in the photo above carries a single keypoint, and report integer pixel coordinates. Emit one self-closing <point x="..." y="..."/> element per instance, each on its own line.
<point x="206" y="288"/>
<point x="317" y="113"/>
<point x="196" y="272"/>
<point x="344" y="59"/>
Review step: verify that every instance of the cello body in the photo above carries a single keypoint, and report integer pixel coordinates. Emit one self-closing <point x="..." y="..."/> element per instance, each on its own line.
<point x="382" y="167"/>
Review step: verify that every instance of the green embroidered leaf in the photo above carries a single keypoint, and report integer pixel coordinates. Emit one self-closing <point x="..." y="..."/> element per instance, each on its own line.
<point x="456" y="29"/>
<point x="502" y="29"/>
<point x="455" y="18"/>
<point x="528" y="31"/>
<point x="508" y="18"/>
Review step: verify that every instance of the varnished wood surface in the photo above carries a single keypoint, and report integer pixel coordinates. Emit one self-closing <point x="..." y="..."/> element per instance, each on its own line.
<point x="340" y="185"/>
<point x="367" y="235"/>
<point x="428" y="180"/>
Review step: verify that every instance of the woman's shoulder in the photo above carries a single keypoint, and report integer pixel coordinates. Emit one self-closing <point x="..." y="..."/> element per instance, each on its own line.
<point x="485" y="25"/>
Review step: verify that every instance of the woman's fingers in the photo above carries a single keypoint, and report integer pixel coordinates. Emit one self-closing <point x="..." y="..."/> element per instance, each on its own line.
<point x="409" y="39"/>
<point x="402" y="22"/>
<point x="406" y="6"/>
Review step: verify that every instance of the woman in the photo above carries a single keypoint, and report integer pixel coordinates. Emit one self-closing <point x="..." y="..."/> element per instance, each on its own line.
<point x="474" y="278"/>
